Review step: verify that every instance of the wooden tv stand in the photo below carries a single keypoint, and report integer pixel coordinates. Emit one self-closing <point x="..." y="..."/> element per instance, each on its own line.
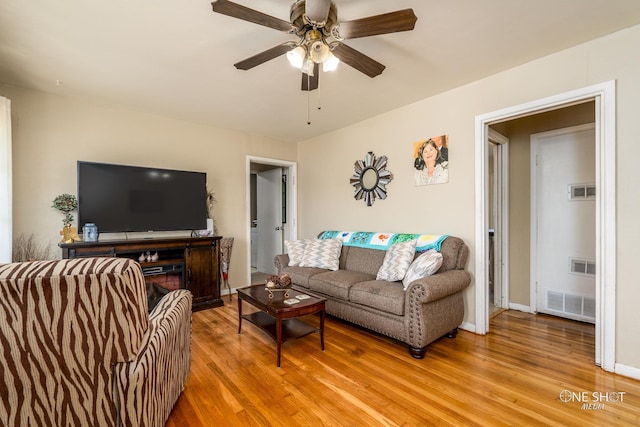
<point x="194" y="260"/>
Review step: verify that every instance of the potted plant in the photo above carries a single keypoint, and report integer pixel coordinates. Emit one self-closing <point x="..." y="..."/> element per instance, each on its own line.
<point x="67" y="203"/>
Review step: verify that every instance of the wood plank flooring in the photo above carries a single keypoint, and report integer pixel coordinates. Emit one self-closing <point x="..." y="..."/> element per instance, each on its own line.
<point x="512" y="376"/>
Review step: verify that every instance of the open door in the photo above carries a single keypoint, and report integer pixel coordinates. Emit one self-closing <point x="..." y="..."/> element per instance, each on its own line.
<point x="270" y="225"/>
<point x="498" y="204"/>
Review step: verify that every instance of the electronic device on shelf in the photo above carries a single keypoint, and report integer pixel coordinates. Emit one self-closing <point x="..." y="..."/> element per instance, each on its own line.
<point x="121" y="198"/>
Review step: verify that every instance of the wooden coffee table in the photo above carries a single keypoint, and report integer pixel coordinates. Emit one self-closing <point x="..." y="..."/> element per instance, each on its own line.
<point x="279" y="319"/>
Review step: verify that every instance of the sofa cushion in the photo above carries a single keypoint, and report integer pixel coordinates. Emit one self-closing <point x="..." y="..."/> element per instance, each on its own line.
<point x="301" y="275"/>
<point x="379" y="294"/>
<point x="322" y="254"/>
<point x="396" y="261"/>
<point x="424" y="265"/>
<point x="295" y="250"/>
<point x="337" y="283"/>
<point x="363" y="260"/>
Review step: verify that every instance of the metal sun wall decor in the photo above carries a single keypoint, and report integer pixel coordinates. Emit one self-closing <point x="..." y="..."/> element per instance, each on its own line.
<point x="370" y="178"/>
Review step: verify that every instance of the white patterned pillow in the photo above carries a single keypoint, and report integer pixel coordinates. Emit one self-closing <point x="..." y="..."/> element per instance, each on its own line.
<point x="322" y="253"/>
<point x="425" y="265"/>
<point x="295" y="250"/>
<point x="397" y="261"/>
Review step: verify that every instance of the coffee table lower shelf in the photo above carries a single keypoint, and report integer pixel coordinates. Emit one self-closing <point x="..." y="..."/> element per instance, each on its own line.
<point x="291" y="328"/>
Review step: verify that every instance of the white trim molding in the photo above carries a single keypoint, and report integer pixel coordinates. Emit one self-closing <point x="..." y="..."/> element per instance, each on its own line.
<point x="470" y="327"/>
<point x="520" y="307"/>
<point x="6" y="219"/>
<point x="627" y="371"/>
<point x="604" y="95"/>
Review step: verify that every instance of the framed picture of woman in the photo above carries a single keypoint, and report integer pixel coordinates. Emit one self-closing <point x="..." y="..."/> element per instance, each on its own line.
<point x="431" y="160"/>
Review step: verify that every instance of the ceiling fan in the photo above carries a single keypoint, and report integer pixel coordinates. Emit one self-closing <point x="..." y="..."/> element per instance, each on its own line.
<point x="320" y="36"/>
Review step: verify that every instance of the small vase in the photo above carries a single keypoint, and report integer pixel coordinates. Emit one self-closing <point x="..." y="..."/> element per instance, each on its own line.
<point x="155" y="257"/>
<point x="142" y="257"/>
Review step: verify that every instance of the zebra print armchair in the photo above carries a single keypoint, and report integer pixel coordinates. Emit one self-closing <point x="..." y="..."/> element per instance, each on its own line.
<point x="79" y="348"/>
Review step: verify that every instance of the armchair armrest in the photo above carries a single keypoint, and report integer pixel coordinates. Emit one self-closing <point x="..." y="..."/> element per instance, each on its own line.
<point x="281" y="261"/>
<point x="440" y="285"/>
<point x="162" y="363"/>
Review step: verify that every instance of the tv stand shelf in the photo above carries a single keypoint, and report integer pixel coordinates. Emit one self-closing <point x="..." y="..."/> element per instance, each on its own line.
<point x="161" y="262"/>
<point x="197" y="257"/>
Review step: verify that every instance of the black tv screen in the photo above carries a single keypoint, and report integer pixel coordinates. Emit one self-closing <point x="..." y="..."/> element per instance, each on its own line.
<point x="119" y="198"/>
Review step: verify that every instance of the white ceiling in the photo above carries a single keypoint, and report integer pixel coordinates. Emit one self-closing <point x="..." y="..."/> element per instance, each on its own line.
<point x="176" y="57"/>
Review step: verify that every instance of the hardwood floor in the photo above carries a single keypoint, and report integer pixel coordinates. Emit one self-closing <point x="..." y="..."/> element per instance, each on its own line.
<point x="513" y="376"/>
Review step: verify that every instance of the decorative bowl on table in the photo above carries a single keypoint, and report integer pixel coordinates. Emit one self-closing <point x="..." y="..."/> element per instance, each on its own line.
<point x="278" y="285"/>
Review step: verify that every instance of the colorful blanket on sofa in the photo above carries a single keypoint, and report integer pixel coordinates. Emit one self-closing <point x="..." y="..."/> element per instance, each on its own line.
<point x="382" y="241"/>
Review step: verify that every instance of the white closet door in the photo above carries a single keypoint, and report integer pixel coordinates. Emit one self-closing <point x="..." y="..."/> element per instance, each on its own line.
<point x="564" y="222"/>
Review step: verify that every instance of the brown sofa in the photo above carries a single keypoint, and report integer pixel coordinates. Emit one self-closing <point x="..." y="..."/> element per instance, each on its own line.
<point x="430" y="308"/>
<point x="81" y="349"/>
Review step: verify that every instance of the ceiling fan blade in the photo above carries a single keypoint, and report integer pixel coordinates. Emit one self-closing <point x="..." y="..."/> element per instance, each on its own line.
<point x="358" y="60"/>
<point x="392" y="22"/>
<point x="311" y="82"/>
<point x="265" y="56"/>
<point x="317" y="10"/>
<point x="242" y="12"/>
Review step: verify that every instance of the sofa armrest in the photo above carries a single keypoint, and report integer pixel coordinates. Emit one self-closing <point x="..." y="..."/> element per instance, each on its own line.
<point x="440" y="285"/>
<point x="281" y="261"/>
<point x="162" y="364"/>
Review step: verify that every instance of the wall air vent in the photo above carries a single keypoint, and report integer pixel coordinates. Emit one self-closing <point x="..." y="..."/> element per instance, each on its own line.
<point x="581" y="192"/>
<point x="574" y="306"/>
<point x="555" y="300"/>
<point x="589" y="307"/>
<point x="581" y="266"/>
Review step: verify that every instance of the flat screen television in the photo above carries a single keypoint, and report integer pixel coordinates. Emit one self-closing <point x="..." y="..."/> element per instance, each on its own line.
<point x="120" y="198"/>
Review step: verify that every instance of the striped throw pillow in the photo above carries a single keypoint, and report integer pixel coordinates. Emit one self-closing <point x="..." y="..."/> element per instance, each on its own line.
<point x="322" y="253"/>
<point x="425" y="265"/>
<point x="295" y="250"/>
<point x="397" y="261"/>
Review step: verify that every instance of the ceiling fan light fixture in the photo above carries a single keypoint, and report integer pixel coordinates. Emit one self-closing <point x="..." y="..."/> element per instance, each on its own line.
<point x="330" y="63"/>
<point x="319" y="51"/>
<point x="297" y="56"/>
<point x="307" y="67"/>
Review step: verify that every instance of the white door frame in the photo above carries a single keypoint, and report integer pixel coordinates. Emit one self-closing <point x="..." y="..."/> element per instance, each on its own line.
<point x="604" y="95"/>
<point x="291" y="231"/>
<point x="533" y="241"/>
<point x="6" y="213"/>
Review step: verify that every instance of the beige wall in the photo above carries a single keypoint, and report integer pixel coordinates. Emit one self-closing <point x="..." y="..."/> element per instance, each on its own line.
<point x="326" y="162"/>
<point x="50" y="133"/>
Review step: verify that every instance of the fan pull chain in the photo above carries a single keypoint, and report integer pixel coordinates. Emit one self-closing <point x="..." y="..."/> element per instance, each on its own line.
<point x="308" y="100"/>
<point x="308" y="106"/>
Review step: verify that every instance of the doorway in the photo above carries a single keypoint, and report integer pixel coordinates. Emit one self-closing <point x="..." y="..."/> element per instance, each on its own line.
<point x="271" y="213"/>
<point x="603" y="98"/>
